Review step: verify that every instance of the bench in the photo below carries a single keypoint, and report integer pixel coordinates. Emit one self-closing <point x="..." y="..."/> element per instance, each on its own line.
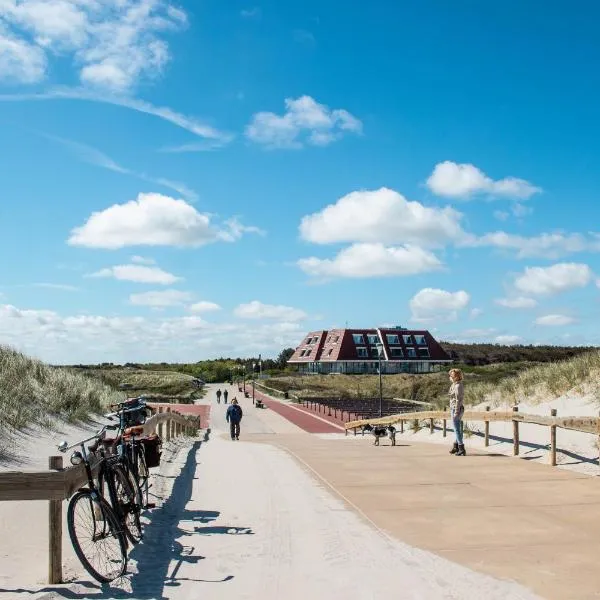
<point x="259" y="403"/>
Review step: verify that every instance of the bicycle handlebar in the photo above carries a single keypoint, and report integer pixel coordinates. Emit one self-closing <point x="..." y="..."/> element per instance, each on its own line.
<point x="63" y="447"/>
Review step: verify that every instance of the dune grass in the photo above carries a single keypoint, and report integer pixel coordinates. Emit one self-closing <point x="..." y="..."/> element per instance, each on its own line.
<point x="34" y="393"/>
<point x="548" y="381"/>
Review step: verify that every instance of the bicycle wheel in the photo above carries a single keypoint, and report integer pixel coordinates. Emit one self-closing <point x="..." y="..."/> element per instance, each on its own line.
<point x="97" y="537"/>
<point x="127" y="499"/>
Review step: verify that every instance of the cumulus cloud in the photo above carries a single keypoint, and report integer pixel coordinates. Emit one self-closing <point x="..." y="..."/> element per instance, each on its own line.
<point x="372" y="260"/>
<point x="304" y="122"/>
<point x="74" y="339"/>
<point x="160" y="299"/>
<point x="258" y="310"/>
<point x="435" y="304"/>
<point x="454" y="180"/>
<point x="508" y="340"/>
<point x="204" y="306"/>
<point x="547" y="281"/>
<point x="151" y="220"/>
<point x="544" y="245"/>
<point x="384" y="216"/>
<point x="517" y="302"/>
<point x="142" y="260"/>
<point x="475" y="312"/>
<point x="138" y="274"/>
<point x="113" y="43"/>
<point x="554" y="320"/>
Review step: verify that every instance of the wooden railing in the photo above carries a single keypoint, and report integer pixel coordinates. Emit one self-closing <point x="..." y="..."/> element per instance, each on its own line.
<point x="58" y="484"/>
<point x="583" y="424"/>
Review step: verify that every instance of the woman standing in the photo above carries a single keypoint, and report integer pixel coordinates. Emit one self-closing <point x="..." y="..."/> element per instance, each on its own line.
<point x="457" y="409"/>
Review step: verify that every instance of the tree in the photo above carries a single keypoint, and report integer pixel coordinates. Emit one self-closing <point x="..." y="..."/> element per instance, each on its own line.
<point x="283" y="357"/>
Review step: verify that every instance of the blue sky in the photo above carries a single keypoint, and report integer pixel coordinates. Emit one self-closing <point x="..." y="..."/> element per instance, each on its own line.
<point x="185" y="181"/>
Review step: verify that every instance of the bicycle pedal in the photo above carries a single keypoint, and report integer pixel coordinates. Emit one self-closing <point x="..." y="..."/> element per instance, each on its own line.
<point x="151" y="505"/>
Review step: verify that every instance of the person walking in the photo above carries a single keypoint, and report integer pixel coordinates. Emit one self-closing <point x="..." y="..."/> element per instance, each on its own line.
<point x="457" y="409"/>
<point x="233" y="416"/>
<point x="225" y="394"/>
<point x="219" y="395"/>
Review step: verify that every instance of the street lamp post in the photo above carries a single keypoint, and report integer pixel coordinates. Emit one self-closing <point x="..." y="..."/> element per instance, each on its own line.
<point x="379" y="353"/>
<point x="244" y="376"/>
<point x="253" y="373"/>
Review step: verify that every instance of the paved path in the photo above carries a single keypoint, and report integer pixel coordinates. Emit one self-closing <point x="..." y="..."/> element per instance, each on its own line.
<point x="247" y="521"/>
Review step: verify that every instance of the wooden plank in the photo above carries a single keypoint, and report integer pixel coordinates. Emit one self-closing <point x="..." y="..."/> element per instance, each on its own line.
<point x="55" y="529"/>
<point x="41" y="485"/>
<point x="487" y="429"/>
<point x="553" y="440"/>
<point x="515" y="433"/>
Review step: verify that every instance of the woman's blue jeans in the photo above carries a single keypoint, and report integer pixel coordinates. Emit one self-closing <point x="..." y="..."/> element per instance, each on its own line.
<point x="458" y="426"/>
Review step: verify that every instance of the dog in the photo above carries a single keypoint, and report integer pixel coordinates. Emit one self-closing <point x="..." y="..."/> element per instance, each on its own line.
<point x="380" y="431"/>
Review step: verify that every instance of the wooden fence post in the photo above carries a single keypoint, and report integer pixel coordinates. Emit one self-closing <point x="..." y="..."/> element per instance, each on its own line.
<point x="445" y="429"/>
<point x="168" y="425"/>
<point x="55" y="463"/>
<point x="430" y="425"/>
<point x="355" y="431"/>
<point x="487" y="429"/>
<point x="401" y="425"/>
<point x="160" y="425"/>
<point x="515" y="433"/>
<point x="553" y="439"/>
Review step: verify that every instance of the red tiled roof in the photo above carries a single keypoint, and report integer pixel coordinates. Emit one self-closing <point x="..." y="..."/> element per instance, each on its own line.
<point x="339" y="345"/>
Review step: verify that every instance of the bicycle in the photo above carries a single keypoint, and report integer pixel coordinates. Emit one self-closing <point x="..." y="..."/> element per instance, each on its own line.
<point x="98" y="520"/>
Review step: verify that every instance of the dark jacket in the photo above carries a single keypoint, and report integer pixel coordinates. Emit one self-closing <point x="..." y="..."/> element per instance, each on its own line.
<point x="234" y="413"/>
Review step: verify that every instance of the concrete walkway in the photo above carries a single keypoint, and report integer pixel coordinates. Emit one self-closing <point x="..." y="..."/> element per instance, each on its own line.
<point x="502" y="516"/>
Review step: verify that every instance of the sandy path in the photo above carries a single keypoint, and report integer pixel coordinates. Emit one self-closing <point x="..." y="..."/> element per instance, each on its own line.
<point x="244" y="520"/>
<point x="248" y="521"/>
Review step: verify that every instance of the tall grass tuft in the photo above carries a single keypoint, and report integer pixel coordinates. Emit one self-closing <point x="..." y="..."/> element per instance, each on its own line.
<point x="33" y="393"/>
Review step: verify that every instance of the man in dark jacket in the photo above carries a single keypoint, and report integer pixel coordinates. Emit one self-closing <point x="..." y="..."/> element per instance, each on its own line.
<point x="233" y="416"/>
<point x="225" y="394"/>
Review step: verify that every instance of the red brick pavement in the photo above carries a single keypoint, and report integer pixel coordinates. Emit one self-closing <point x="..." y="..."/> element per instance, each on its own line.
<point x="199" y="410"/>
<point x="301" y="418"/>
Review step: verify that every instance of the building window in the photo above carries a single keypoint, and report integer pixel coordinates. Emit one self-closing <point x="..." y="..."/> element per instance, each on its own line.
<point x="373" y="339"/>
<point x="407" y="339"/>
<point x="358" y="338"/>
<point x="302" y="353"/>
<point x="420" y="340"/>
<point x="423" y="352"/>
<point x="397" y="353"/>
<point x="308" y="352"/>
<point x="362" y="352"/>
<point x="337" y="337"/>
<point x="411" y="352"/>
<point x="392" y="339"/>
<point x="330" y="351"/>
<point x="375" y="352"/>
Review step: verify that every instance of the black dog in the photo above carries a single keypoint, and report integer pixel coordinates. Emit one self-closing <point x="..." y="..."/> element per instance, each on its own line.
<point x="380" y="431"/>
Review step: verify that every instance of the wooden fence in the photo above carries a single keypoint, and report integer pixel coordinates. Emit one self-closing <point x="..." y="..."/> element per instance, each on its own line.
<point x="58" y="483"/>
<point x="582" y="424"/>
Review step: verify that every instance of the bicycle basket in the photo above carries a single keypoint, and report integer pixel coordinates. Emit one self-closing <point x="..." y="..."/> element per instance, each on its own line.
<point x="136" y="417"/>
<point x="152" y="445"/>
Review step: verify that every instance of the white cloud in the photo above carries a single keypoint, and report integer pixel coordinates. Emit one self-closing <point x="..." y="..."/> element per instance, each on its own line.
<point x="20" y="61"/>
<point x="138" y="274"/>
<point x="113" y="43"/>
<point x="57" y="286"/>
<point x="372" y="260"/>
<point x="554" y="320"/>
<point x="305" y="121"/>
<point x="501" y="215"/>
<point x="544" y="245"/>
<point x="258" y="310"/>
<point x="477" y="333"/>
<point x="204" y="306"/>
<point x="431" y="304"/>
<point x="465" y="180"/>
<point x="508" y="340"/>
<point x="97" y="158"/>
<point x="382" y="216"/>
<point x="151" y="220"/>
<point x="160" y="298"/>
<point x="142" y="260"/>
<point x="517" y="302"/>
<point x="188" y="123"/>
<point x="545" y="281"/>
<point x="475" y="312"/>
<point x="74" y="339"/>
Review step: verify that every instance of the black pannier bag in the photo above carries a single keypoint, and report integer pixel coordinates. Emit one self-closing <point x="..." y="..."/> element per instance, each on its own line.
<point x="152" y="450"/>
<point x="137" y="416"/>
